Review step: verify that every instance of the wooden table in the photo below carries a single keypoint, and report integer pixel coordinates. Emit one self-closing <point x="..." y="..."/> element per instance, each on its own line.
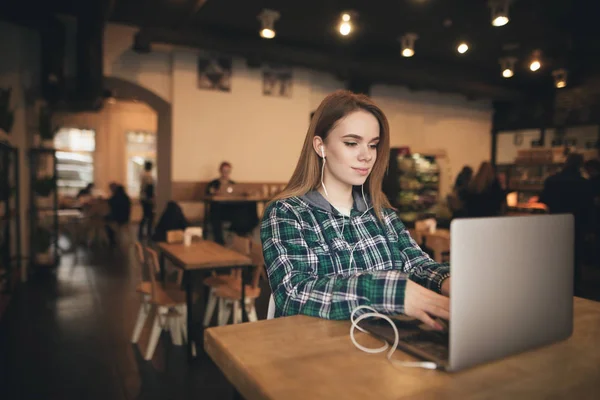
<point x="202" y="257"/>
<point x="308" y="358"/>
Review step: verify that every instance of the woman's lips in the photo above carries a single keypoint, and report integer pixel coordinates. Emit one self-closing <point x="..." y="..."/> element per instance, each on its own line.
<point x="361" y="171"/>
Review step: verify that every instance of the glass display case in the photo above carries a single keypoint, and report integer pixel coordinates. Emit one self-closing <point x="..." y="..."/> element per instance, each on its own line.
<point x="413" y="185"/>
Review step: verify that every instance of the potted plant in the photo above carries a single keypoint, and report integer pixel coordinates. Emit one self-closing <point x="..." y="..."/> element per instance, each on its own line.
<point x="46" y="130"/>
<point x="6" y="115"/>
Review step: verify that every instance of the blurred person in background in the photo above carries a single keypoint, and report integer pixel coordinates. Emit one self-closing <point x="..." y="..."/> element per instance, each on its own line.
<point x="568" y="192"/>
<point x="484" y="196"/>
<point x="120" y="211"/>
<point x="147" y="200"/>
<point x="457" y="199"/>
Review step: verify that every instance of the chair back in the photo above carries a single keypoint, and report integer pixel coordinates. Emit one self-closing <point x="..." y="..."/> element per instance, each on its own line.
<point x="271" y="309"/>
<point x="139" y="252"/>
<point x="240" y="244"/>
<point x="151" y="266"/>
<point x="256" y="255"/>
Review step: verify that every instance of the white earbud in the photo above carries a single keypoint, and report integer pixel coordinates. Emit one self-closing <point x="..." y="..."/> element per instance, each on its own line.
<point x="322" y="151"/>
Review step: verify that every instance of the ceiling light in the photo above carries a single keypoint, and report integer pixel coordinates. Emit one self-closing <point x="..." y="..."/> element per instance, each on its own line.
<point x="499" y="12"/>
<point x="536" y="64"/>
<point x="345" y="27"/>
<point x="560" y="78"/>
<point x="267" y="33"/>
<point x="408" y="44"/>
<point x="267" y="18"/>
<point x="462" y="48"/>
<point x="508" y="66"/>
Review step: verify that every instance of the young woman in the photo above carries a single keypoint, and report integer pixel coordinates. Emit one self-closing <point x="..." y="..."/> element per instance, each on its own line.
<point x="331" y="241"/>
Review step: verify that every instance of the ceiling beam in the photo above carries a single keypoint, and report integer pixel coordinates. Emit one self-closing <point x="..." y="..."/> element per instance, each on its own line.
<point x="384" y="72"/>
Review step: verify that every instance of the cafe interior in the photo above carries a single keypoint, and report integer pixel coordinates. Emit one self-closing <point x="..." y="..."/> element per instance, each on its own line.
<point x="140" y="142"/>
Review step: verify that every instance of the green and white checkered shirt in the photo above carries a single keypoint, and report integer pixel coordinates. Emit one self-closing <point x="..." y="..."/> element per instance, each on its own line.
<point x="308" y="248"/>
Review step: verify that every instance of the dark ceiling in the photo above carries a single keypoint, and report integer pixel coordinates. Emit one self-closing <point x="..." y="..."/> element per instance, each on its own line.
<point x="566" y="32"/>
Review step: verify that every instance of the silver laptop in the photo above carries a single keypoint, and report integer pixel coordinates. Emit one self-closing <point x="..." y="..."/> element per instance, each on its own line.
<point x="512" y="290"/>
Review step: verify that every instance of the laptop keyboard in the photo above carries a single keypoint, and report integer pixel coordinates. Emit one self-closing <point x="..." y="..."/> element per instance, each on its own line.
<point x="434" y="343"/>
<point x="431" y="342"/>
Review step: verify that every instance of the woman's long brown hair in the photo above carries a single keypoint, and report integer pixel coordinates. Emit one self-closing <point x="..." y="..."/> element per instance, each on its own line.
<point x="307" y="175"/>
<point x="483" y="179"/>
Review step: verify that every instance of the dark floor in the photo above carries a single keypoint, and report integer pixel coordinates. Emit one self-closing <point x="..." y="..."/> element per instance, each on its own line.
<point x="65" y="335"/>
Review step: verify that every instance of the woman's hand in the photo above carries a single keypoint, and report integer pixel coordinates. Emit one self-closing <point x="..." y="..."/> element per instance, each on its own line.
<point x="423" y="304"/>
<point x="446" y="287"/>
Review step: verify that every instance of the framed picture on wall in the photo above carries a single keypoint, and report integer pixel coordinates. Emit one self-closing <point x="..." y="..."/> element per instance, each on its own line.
<point x="277" y="81"/>
<point x="214" y="73"/>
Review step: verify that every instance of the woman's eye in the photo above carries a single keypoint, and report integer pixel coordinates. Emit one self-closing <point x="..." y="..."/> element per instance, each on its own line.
<point x="350" y="144"/>
<point x="374" y="146"/>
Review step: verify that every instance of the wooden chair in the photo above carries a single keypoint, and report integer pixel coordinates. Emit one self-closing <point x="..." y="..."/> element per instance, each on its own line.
<point x="170" y="305"/>
<point x="439" y="244"/>
<point x="241" y="245"/>
<point x="144" y="288"/>
<point x="230" y="295"/>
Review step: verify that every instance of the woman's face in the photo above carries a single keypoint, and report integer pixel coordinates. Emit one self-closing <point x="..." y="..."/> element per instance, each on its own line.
<point x="351" y="148"/>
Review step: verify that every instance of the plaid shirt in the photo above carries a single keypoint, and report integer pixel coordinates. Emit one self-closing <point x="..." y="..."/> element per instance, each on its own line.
<point x="323" y="264"/>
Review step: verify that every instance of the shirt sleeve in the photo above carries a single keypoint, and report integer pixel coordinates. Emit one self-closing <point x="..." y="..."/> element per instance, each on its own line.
<point x="297" y="289"/>
<point x="421" y="268"/>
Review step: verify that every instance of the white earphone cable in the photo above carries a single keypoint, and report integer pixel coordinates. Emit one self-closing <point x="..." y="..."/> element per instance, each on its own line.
<point x="375" y="314"/>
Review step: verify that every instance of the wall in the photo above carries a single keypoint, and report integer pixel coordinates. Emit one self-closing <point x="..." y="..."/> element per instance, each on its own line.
<point x="257" y="132"/>
<point x="252" y="131"/>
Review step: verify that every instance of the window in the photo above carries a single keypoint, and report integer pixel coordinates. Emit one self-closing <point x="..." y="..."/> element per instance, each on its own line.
<point x="141" y="147"/>
<point x="75" y="159"/>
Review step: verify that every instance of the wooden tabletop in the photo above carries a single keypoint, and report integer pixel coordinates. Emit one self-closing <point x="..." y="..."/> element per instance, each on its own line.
<point x="204" y="254"/>
<point x="308" y="358"/>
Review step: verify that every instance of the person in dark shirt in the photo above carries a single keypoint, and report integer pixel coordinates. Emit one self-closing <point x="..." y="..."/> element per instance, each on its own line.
<point x="220" y="212"/>
<point x="172" y="219"/>
<point x="86" y="191"/>
<point x="459" y="194"/>
<point x="120" y="210"/>
<point x="146" y="200"/>
<point x="224" y="179"/>
<point x="568" y="192"/>
<point x="241" y="214"/>
<point x="484" y="196"/>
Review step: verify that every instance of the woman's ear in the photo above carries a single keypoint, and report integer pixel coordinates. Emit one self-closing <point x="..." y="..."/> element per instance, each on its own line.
<point x="319" y="146"/>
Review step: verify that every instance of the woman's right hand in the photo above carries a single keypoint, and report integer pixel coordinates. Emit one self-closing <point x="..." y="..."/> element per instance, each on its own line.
<point x="423" y="304"/>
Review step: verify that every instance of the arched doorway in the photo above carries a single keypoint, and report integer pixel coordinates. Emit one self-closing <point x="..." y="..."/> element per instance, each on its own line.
<point x="125" y="90"/>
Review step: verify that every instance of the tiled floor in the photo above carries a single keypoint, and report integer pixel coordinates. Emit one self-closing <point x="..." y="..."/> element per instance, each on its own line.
<point x="65" y="335"/>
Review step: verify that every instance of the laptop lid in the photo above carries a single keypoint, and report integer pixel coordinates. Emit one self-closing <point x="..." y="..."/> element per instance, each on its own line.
<point x="512" y="286"/>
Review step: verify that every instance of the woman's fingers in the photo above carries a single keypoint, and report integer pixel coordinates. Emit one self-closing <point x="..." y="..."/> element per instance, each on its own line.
<point x="437" y="311"/>
<point x="423" y="303"/>
<point x="427" y="320"/>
